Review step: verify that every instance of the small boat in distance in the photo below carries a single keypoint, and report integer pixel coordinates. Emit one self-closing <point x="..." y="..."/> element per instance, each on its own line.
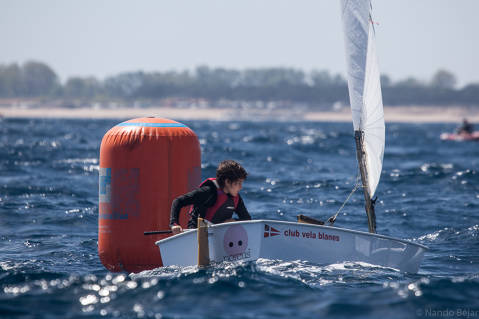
<point x="303" y="240"/>
<point x="465" y="132"/>
<point x="474" y="136"/>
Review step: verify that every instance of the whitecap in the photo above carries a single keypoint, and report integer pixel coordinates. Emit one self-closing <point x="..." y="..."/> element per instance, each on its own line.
<point x="433" y="236"/>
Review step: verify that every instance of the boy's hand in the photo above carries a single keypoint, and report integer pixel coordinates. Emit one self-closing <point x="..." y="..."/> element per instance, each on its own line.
<point x="176" y="229"/>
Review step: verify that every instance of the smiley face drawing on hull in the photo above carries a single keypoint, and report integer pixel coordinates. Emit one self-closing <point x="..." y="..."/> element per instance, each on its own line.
<point x="235" y="240"/>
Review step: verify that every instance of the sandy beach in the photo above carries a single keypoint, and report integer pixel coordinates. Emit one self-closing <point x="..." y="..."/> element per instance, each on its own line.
<point x="404" y="114"/>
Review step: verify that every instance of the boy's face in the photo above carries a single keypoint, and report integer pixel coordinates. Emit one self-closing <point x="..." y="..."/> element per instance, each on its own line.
<point x="233" y="188"/>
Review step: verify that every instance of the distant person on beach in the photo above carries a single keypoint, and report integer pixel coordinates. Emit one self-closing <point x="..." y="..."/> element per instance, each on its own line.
<point x="465" y="127"/>
<point x="215" y="200"/>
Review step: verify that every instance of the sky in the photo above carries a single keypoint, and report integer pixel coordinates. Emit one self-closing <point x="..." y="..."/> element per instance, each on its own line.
<point x="102" y="38"/>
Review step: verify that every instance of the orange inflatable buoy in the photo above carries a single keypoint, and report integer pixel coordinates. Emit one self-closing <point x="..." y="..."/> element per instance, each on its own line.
<point x="145" y="163"/>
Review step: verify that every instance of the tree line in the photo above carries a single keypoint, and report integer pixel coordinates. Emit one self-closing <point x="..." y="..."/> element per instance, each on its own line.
<point x="37" y="79"/>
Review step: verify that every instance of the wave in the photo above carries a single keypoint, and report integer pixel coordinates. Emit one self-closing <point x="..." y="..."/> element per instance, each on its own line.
<point x="303" y="272"/>
<point x="258" y="288"/>
<point x="449" y="233"/>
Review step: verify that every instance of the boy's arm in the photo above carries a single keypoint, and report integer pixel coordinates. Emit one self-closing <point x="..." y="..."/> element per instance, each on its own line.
<point x="195" y="197"/>
<point x="242" y="211"/>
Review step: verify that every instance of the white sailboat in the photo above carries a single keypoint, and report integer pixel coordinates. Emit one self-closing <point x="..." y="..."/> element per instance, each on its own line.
<point x="250" y="240"/>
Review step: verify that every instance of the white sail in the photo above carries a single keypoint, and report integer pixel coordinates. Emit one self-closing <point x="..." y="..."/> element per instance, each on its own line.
<point x="364" y="84"/>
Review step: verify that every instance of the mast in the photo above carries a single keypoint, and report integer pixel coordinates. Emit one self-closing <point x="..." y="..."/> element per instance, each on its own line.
<point x="369" y="203"/>
<point x="365" y="97"/>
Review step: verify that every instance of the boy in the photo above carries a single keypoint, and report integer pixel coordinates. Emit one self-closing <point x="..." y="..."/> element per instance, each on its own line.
<point x="215" y="200"/>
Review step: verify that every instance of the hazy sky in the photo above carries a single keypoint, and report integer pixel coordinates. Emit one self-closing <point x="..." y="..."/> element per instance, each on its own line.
<point x="106" y="37"/>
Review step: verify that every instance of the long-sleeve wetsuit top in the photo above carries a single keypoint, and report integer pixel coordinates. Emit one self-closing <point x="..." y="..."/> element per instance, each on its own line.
<point x="203" y="198"/>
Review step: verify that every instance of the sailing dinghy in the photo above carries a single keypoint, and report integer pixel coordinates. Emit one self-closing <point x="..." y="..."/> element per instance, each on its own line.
<point x="474" y="136"/>
<point x="272" y="239"/>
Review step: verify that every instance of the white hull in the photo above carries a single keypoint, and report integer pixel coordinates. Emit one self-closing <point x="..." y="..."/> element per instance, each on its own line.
<point x="250" y="240"/>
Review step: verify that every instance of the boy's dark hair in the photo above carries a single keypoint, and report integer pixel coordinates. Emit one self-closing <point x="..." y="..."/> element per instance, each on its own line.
<point x="229" y="170"/>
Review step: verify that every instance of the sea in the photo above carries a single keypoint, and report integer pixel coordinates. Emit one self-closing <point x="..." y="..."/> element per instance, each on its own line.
<point x="428" y="194"/>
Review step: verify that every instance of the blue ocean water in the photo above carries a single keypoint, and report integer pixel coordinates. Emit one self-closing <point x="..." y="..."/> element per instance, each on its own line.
<point x="429" y="193"/>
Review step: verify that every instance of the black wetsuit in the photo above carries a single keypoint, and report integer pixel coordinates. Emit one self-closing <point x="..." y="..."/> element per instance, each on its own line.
<point x="466" y="128"/>
<point x="203" y="198"/>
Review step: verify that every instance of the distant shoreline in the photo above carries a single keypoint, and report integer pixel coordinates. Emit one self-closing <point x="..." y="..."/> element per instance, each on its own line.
<point x="402" y="114"/>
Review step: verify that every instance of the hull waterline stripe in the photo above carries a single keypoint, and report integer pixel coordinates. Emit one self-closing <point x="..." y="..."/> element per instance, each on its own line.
<point x="153" y="124"/>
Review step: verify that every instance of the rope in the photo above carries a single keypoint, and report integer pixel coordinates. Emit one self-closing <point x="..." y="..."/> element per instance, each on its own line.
<point x="332" y="219"/>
